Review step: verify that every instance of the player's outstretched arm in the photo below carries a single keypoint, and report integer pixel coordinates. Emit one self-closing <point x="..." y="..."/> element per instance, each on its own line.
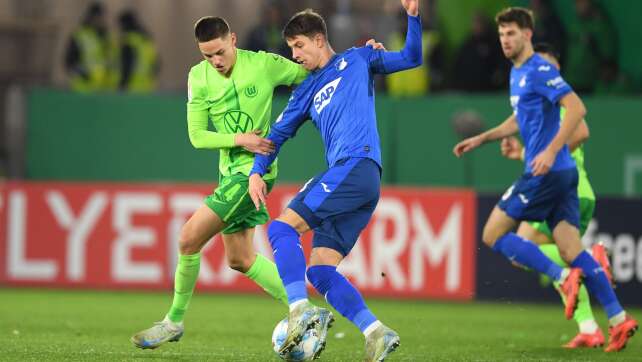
<point x="507" y="128"/>
<point x="411" y="55"/>
<point x="575" y="112"/>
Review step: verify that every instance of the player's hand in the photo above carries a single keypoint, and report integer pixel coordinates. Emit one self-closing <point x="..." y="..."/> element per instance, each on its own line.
<point x="511" y="148"/>
<point x="257" y="189"/>
<point x="411" y="6"/>
<point x="543" y="162"/>
<point x="375" y="44"/>
<point x="467" y="145"/>
<point x="254" y="143"/>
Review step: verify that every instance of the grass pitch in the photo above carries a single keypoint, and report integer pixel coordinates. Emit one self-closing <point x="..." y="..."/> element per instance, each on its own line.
<point x="55" y="325"/>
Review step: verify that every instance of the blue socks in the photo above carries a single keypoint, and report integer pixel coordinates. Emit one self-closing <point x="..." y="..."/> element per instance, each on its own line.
<point x="597" y="283"/>
<point x="289" y="259"/>
<point x="526" y="253"/>
<point x="344" y="297"/>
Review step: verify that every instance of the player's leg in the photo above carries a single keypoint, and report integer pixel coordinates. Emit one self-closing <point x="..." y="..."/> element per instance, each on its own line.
<point x="198" y="230"/>
<point x="589" y="334"/>
<point x="622" y="326"/>
<point x="290" y="261"/>
<point x="242" y="257"/>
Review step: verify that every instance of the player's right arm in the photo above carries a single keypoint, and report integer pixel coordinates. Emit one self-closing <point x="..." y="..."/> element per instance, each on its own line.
<point x="580" y="135"/>
<point x="285" y="127"/>
<point x="198" y="119"/>
<point x="507" y="128"/>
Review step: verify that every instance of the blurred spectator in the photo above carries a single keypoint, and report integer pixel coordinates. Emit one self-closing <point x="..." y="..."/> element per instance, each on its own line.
<point x="417" y="81"/>
<point x="611" y="81"/>
<point x="138" y="67"/>
<point x="267" y="35"/>
<point x="592" y="42"/>
<point x="548" y="27"/>
<point x="88" y="55"/>
<point x="479" y="64"/>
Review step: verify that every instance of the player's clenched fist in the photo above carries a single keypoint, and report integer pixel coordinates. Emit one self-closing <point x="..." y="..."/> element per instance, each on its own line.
<point x="257" y="189"/>
<point x="511" y="148"/>
<point x="411" y="6"/>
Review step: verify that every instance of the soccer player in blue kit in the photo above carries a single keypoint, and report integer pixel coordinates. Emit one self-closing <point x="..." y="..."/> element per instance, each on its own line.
<point x="337" y="204"/>
<point x="547" y="191"/>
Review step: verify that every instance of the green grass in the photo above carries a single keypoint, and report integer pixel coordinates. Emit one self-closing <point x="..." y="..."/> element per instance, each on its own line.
<point x="53" y="325"/>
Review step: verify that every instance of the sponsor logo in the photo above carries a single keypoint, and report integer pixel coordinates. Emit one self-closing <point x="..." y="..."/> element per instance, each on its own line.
<point x="237" y="121"/>
<point x="556" y="82"/>
<point x="544" y="68"/>
<point x="324" y="96"/>
<point x="325" y="187"/>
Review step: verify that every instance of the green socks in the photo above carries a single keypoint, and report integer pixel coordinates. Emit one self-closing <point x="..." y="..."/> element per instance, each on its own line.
<point x="583" y="311"/>
<point x="264" y="273"/>
<point x="184" y="283"/>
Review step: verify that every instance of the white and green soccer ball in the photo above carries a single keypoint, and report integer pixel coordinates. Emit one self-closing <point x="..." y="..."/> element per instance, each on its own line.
<point x="304" y="351"/>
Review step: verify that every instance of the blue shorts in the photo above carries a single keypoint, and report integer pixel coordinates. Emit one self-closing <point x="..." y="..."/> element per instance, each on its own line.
<point x="338" y="203"/>
<point x="551" y="198"/>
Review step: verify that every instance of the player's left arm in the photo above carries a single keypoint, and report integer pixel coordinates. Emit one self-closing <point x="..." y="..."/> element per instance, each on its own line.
<point x="384" y="62"/>
<point x="549" y="83"/>
<point x="283" y="71"/>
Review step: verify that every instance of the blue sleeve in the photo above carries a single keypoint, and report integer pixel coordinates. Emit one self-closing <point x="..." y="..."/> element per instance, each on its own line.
<point x="548" y="82"/>
<point x="383" y="62"/>
<point x="285" y="127"/>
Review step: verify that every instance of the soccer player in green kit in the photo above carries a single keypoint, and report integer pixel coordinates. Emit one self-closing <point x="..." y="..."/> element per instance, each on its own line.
<point x="589" y="334"/>
<point x="233" y="88"/>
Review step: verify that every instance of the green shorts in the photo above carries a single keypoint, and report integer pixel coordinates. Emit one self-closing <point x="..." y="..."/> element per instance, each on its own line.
<point x="232" y="203"/>
<point x="587" y="206"/>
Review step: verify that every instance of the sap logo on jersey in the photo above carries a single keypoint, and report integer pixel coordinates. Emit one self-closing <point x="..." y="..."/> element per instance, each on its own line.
<point x="324" y="96"/>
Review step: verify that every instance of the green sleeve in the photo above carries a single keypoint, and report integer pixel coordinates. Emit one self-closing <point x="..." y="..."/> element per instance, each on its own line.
<point x="198" y="116"/>
<point x="283" y="71"/>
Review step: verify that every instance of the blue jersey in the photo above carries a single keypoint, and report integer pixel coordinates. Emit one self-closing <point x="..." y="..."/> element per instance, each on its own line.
<point x="339" y="98"/>
<point x="535" y="90"/>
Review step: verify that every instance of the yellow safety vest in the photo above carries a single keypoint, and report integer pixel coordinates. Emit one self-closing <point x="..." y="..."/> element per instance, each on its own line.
<point x="142" y="77"/>
<point x="93" y="59"/>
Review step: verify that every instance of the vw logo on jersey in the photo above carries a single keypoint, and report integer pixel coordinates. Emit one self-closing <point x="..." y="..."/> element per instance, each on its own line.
<point x="237" y="121"/>
<point x="324" y="96"/>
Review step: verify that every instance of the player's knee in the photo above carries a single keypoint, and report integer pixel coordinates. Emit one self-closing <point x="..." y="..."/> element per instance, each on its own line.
<point x="188" y="242"/>
<point x="239" y="263"/>
<point x="489" y="237"/>
<point x="569" y="254"/>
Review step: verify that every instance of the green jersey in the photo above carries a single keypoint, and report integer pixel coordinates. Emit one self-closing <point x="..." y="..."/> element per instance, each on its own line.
<point x="239" y="103"/>
<point x="584" y="189"/>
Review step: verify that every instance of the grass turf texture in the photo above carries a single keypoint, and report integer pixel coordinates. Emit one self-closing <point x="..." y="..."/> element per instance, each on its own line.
<point x="56" y="325"/>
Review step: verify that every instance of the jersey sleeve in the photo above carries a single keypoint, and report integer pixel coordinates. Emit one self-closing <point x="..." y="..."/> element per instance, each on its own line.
<point x="285" y="127"/>
<point x="548" y="82"/>
<point x="384" y="62"/>
<point x="198" y="116"/>
<point x="283" y="71"/>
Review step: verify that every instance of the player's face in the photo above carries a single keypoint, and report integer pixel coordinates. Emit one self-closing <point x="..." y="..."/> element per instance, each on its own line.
<point x="307" y="51"/>
<point x="220" y="52"/>
<point x="551" y="59"/>
<point x="513" y="39"/>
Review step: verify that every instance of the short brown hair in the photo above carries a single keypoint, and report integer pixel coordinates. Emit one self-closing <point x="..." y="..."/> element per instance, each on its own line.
<point x="521" y="16"/>
<point x="306" y="22"/>
<point x="210" y="27"/>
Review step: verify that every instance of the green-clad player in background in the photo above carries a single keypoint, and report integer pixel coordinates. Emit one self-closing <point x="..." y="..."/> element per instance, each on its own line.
<point x="233" y="88"/>
<point x="589" y="334"/>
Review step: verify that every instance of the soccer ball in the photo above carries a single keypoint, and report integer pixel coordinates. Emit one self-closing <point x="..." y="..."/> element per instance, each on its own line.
<point x="304" y="351"/>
